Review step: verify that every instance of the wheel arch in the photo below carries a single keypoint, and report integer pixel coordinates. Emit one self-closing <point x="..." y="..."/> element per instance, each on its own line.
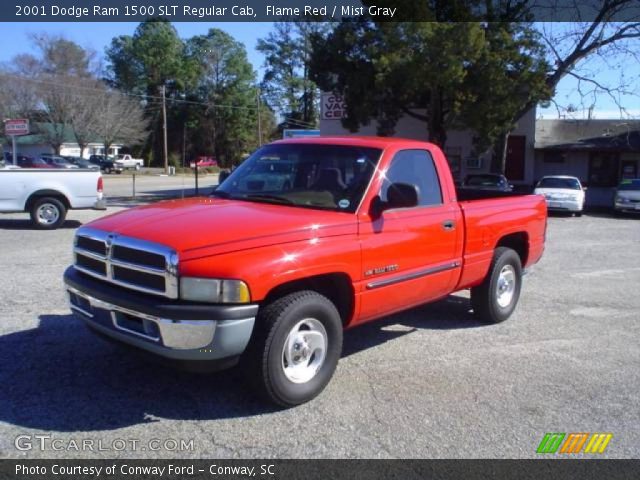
<point x="517" y="241"/>
<point x="336" y="286"/>
<point x="47" y="193"/>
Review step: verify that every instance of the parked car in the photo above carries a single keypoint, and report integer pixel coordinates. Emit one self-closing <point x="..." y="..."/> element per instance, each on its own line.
<point x="204" y="162"/>
<point x="57" y="161"/>
<point x="275" y="275"/>
<point x="126" y="161"/>
<point x="627" y="197"/>
<point x="82" y="163"/>
<point x="562" y="192"/>
<point x="30" y="162"/>
<point x="26" y="162"/>
<point x="487" y="181"/>
<point x="47" y="195"/>
<point x="105" y="164"/>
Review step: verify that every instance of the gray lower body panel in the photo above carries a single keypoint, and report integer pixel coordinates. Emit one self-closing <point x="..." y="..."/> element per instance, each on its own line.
<point x="198" y="340"/>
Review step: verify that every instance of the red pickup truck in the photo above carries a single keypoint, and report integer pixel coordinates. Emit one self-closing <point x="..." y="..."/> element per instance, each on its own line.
<point x="305" y="238"/>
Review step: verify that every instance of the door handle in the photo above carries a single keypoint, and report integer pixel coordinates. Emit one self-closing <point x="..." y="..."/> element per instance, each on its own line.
<point x="448" y="225"/>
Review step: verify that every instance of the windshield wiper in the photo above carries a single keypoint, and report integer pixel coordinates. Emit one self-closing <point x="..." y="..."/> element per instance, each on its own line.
<point x="269" y="197"/>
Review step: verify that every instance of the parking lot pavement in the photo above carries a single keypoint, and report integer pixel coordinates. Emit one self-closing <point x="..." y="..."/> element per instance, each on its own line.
<point x="431" y="382"/>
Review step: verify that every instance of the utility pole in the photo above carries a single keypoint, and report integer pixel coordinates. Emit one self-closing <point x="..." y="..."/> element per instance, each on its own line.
<point x="259" y="119"/>
<point x="164" y="130"/>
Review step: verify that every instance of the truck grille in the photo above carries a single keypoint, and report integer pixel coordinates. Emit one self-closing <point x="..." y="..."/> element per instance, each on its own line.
<point x="128" y="262"/>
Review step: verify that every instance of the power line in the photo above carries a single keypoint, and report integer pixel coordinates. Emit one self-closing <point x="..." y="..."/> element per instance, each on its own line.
<point x="128" y="94"/>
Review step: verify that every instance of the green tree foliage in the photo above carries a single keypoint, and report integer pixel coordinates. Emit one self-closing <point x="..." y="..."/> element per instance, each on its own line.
<point x="142" y="64"/>
<point x="451" y="75"/>
<point x="226" y="84"/>
<point x="287" y="84"/>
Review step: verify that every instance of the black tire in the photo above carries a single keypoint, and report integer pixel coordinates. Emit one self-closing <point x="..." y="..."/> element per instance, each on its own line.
<point x="578" y="214"/>
<point x="484" y="297"/>
<point x="265" y="359"/>
<point x="47" y="213"/>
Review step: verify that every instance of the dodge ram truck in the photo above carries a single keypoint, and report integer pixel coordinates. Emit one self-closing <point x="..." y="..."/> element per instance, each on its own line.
<point x="270" y="273"/>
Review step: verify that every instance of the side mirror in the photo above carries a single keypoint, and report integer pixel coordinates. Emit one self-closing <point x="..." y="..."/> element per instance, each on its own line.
<point x="399" y="195"/>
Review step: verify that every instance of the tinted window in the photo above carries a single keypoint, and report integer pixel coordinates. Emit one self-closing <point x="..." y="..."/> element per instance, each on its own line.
<point x="484" y="180"/>
<point x="414" y="167"/>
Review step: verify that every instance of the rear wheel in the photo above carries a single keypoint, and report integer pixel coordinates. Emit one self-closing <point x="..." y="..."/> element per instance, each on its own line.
<point x="47" y="213"/>
<point x="495" y="299"/>
<point x="295" y="347"/>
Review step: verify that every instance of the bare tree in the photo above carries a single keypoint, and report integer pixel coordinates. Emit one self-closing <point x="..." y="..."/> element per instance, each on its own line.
<point x="84" y="114"/>
<point x="573" y="45"/>
<point x="120" y="119"/>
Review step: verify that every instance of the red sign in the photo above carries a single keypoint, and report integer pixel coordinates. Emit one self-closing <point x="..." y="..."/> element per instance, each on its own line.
<point x="18" y="126"/>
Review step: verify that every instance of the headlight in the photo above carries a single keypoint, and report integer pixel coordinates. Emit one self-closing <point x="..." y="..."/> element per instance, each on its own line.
<point x="621" y="200"/>
<point x="214" y="290"/>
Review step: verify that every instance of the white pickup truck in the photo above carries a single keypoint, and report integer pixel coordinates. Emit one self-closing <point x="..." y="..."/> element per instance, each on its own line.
<point x="47" y="194"/>
<point x="126" y="161"/>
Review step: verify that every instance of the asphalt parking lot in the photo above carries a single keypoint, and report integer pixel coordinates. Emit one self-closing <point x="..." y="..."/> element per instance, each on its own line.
<point x="427" y="383"/>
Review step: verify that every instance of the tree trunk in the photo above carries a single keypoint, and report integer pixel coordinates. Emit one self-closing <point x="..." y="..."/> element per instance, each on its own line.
<point x="83" y="147"/>
<point x="435" y="124"/>
<point x="499" y="157"/>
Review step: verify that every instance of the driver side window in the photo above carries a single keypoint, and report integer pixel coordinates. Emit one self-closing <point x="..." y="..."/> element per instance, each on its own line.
<point x="414" y="167"/>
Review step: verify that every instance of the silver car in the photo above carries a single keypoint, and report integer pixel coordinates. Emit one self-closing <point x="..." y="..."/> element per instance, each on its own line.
<point x="627" y="197"/>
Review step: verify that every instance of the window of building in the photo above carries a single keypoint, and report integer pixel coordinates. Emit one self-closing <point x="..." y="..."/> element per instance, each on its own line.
<point x="603" y="170"/>
<point x="414" y="167"/>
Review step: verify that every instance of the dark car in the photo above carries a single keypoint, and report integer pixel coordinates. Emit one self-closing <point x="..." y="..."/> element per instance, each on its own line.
<point x="487" y="181"/>
<point x="105" y="164"/>
<point x="82" y="162"/>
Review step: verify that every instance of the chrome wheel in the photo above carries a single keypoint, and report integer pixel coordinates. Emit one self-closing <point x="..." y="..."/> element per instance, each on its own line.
<point x="506" y="286"/>
<point x="304" y="351"/>
<point x="47" y="214"/>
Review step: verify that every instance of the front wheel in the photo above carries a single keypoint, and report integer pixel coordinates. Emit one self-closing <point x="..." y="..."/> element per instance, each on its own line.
<point x="47" y="213"/>
<point x="295" y="348"/>
<point x="495" y="299"/>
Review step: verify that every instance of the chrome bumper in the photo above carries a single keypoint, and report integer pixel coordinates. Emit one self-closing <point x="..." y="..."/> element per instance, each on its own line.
<point x="171" y="338"/>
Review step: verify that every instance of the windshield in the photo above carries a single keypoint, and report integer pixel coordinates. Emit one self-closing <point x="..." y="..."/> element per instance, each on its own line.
<point x="632" y="184"/>
<point x="554" y="182"/>
<point x="483" y="180"/>
<point x="332" y="177"/>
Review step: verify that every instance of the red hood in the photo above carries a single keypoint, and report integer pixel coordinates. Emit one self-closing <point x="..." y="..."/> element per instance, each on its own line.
<point x="201" y="226"/>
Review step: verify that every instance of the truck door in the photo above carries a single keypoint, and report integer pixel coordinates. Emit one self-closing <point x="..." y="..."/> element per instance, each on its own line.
<point x="409" y="254"/>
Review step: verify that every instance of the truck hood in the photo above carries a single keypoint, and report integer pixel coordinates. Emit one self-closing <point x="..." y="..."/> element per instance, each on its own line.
<point x="203" y="226"/>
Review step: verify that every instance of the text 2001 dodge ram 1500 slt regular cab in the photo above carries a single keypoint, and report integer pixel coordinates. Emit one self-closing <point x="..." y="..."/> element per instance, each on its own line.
<point x="272" y="272"/>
